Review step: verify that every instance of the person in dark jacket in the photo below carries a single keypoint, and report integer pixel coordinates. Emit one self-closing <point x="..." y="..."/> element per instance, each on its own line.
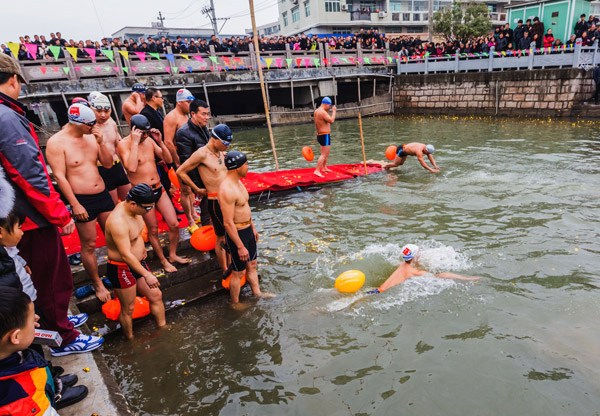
<point x="596" y="76"/>
<point x="538" y="29"/>
<point x="189" y="138"/>
<point x="581" y="26"/>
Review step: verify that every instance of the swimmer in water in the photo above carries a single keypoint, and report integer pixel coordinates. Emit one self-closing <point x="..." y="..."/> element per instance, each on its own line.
<point x="408" y="269"/>
<point x="414" y="149"/>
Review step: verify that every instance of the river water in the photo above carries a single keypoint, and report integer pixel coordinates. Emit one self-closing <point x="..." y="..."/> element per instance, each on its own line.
<point x="516" y="202"/>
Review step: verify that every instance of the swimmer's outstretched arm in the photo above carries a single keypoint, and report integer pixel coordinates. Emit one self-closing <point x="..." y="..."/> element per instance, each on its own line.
<point x="448" y="275"/>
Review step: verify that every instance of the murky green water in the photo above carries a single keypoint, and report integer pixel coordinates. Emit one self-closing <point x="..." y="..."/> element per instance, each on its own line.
<point x="517" y="203"/>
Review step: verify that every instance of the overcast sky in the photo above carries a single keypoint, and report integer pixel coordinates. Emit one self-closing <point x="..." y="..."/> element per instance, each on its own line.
<point x="94" y="19"/>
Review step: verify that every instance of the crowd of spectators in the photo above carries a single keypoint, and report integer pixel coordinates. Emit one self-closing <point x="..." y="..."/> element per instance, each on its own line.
<point x="503" y="39"/>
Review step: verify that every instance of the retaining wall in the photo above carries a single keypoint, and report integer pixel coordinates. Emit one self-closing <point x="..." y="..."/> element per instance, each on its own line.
<point x="537" y="93"/>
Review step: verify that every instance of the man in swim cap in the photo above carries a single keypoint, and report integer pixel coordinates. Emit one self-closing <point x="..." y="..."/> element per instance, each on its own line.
<point x="178" y="117"/>
<point x="115" y="178"/>
<point x="126" y="265"/>
<point x="241" y="235"/>
<point x="414" y="149"/>
<point x="408" y="269"/>
<point x="209" y="162"/>
<point x="135" y="102"/>
<point x="74" y="154"/>
<point x="323" y="125"/>
<point x="137" y="152"/>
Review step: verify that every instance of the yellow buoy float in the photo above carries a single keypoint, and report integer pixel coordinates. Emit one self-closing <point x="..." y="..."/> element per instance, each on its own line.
<point x="350" y="281"/>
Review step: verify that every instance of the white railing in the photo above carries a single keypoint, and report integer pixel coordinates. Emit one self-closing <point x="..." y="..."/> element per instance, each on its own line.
<point x="562" y="57"/>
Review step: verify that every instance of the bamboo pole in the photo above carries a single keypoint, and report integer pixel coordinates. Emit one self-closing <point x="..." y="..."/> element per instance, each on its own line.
<point x="262" y="81"/>
<point x="362" y="142"/>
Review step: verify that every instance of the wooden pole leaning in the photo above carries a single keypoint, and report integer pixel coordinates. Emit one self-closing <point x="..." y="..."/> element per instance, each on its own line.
<point x="362" y="141"/>
<point x="262" y="82"/>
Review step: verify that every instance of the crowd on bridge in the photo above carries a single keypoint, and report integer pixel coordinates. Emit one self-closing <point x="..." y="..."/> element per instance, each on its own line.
<point x="504" y="40"/>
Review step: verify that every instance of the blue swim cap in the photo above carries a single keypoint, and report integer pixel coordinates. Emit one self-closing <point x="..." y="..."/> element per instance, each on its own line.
<point x="326" y="100"/>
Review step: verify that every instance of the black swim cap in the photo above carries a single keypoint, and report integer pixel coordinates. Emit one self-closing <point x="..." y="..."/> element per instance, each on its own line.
<point x="141" y="194"/>
<point x="223" y="132"/>
<point x="235" y="159"/>
<point x="138" y="87"/>
<point x="141" y="122"/>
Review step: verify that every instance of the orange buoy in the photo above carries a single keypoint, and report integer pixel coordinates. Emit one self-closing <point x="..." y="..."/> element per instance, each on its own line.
<point x="225" y="282"/>
<point x="308" y="154"/>
<point x="173" y="178"/>
<point x="204" y="238"/>
<point x="350" y="281"/>
<point x="112" y="308"/>
<point x="144" y="234"/>
<point x="390" y="152"/>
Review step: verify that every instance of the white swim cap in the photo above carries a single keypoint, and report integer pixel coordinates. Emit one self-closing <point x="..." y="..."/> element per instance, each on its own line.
<point x="93" y="95"/>
<point x="430" y="149"/>
<point x="184" y="95"/>
<point x="409" y="251"/>
<point x="80" y="114"/>
<point x="100" y="102"/>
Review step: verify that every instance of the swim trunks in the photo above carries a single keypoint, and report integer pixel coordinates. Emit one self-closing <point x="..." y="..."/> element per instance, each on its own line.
<point x="249" y="241"/>
<point x="324" y="139"/>
<point x="157" y="191"/>
<point x="400" y="151"/>
<point x="216" y="216"/>
<point x="114" y="176"/>
<point x="120" y="275"/>
<point x="95" y="204"/>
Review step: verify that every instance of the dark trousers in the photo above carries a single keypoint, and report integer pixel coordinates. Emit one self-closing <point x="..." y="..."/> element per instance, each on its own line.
<point x="45" y="255"/>
<point x="596" y="93"/>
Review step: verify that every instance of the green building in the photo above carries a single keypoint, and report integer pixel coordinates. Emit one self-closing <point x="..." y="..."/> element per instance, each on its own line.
<point x="558" y="15"/>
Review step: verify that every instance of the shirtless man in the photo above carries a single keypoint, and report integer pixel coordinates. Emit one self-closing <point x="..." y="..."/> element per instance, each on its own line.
<point x="126" y="267"/>
<point x="209" y="160"/>
<point x="115" y="178"/>
<point x="135" y="102"/>
<point x="241" y="237"/>
<point x="414" y="149"/>
<point x="323" y="125"/>
<point x="177" y="118"/>
<point x="137" y="154"/>
<point x="407" y="270"/>
<point x="73" y="154"/>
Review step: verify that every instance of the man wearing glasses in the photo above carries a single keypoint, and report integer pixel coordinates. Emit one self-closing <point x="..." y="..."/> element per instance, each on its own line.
<point x="73" y="154"/>
<point x="115" y="178"/>
<point x="209" y="160"/>
<point x="126" y="265"/>
<point x="138" y="152"/>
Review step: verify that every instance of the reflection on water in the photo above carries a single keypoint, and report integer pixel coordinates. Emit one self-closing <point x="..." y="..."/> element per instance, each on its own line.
<point x="516" y="202"/>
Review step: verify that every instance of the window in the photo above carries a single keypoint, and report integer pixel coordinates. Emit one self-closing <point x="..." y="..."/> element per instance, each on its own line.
<point x="332" y="6"/>
<point x="285" y="20"/>
<point x="307" y="8"/>
<point x="395" y="6"/>
<point x="341" y="30"/>
<point x="414" y="29"/>
<point x="295" y="14"/>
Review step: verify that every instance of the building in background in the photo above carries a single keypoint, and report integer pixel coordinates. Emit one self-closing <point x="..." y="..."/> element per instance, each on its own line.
<point x="270" y="29"/>
<point x="348" y="16"/>
<point x="156" y="31"/>
<point x="558" y="15"/>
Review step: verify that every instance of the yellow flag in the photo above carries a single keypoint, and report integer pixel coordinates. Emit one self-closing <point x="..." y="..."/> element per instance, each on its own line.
<point x="73" y="51"/>
<point x="185" y="56"/>
<point x="14" y="48"/>
<point x="125" y="54"/>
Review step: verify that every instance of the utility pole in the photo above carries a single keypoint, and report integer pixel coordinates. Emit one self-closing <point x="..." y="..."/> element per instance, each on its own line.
<point x="430" y="20"/>
<point x="161" y="19"/>
<point x="209" y="11"/>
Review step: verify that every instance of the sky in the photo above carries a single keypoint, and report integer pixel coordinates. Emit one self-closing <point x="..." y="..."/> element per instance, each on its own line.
<point x="95" y="19"/>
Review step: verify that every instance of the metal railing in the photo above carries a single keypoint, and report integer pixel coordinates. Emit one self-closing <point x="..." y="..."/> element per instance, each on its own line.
<point x="576" y="56"/>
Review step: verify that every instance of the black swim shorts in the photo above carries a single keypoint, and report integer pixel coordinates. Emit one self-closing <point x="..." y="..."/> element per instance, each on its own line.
<point x="113" y="177"/>
<point x="324" y="139"/>
<point x="216" y="217"/>
<point x="96" y="204"/>
<point x="249" y="241"/>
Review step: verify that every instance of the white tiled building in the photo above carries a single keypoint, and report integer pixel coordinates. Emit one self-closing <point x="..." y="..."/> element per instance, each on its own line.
<point x="347" y="16"/>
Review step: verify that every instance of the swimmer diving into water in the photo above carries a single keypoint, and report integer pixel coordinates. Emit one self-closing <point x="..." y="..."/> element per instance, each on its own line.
<point x="408" y="269"/>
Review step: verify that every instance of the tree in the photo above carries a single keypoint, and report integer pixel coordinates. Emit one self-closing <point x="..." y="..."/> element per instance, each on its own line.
<point x="462" y="21"/>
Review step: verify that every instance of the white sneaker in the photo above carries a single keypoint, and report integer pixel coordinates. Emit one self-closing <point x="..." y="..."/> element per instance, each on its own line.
<point x="83" y="343"/>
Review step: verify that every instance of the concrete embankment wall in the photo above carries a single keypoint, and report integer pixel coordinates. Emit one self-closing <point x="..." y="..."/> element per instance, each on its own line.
<point x="536" y="93"/>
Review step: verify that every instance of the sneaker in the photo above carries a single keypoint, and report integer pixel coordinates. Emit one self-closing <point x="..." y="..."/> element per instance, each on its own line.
<point x="78" y="320"/>
<point x="83" y="343"/>
<point x="75" y="259"/>
<point x="84" y="291"/>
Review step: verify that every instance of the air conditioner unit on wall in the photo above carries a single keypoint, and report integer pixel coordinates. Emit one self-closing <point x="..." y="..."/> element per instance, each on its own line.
<point x="344" y="7"/>
<point x="382" y="15"/>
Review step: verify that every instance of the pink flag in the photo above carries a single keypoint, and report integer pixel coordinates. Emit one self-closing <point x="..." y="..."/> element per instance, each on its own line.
<point x="198" y="58"/>
<point x="32" y="49"/>
<point x="43" y="69"/>
<point x="168" y="69"/>
<point x="141" y="56"/>
<point x="91" y="52"/>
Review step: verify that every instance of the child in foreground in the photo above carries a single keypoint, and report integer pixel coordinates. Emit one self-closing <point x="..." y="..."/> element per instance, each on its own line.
<point x="408" y="269"/>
